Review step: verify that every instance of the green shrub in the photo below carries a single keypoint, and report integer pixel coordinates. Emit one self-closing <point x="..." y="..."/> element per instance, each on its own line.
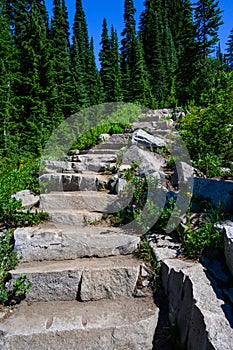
<point x="91" y="137"/>
<point x="8" y="261"/>
<point x="208" y="131"/>
<point x="205" y="237"/>
<point x="16" y="174"/>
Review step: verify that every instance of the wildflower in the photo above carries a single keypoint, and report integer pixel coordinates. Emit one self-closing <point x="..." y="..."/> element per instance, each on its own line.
<point x="134" y="206"/>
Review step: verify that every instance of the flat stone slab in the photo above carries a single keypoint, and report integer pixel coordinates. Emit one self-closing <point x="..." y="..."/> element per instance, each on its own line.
<point x="73" y="217"/>
<point x="127" y="324"/>
<point x="58" y="242"/>
<point x="67" y="182"/>
<point x="81" y="279"/>
<point x="194" y="305"/>
<point x="85" y="200"/>
<point x="27" y="197"/>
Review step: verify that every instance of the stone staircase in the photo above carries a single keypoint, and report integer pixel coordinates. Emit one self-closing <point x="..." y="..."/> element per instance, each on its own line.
<point x="86" y="281"/>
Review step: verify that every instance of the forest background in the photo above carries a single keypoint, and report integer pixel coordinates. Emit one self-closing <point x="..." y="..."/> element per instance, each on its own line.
<point x="171" y="58"/>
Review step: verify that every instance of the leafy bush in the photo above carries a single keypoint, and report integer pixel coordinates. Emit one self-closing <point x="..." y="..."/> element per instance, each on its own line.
<point x="17" y="174"/>
<point x="207" y="132"/>
<point x="8" y="261"/>
<point x="204" y="238"/>
<point x="91" y="137"/>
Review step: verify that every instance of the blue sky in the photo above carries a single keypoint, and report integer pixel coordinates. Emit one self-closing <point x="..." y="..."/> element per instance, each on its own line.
<point x="96" y="10"/>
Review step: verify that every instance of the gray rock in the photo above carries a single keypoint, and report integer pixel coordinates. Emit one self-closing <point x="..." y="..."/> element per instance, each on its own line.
<point x="28" y="198"/>
<point x="228" y="246"/>
<point x="68" y="182"/>
<point x="73" y="217"/>
<point x="104" y="137"/>
<point x="194" y="304"/>
<point x="148" y="162"/>
<point x="120" y="185"/>
<point x="97" y="201"/>
<point x="127" y="324"/>
<point x="82" y="279"/>
<point x="114" y="280"/>
<point x="59" y="242"/>
<point x="147" y="140"/>
<point x="183" y="173"/>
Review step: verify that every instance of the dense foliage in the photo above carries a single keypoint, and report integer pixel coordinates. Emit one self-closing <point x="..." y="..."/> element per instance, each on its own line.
<point x="45" y="76"/>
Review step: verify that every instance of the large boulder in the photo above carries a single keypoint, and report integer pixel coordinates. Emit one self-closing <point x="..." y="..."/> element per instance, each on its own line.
<point x="141" y="137"/>
<point x="28" y="198"/>
<point x="148" y="162"/>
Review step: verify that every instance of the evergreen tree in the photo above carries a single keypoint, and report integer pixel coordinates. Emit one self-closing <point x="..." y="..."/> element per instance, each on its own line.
<point x="95" y="90"/>
<point x="9" y="67"/>
<point x="110" y="68"/>
<point x="62" y="80"/>
<point x="151" y="33"/>
<point x="80" y="97"/>
<point x="128" y="34"/>
<point x="85" y="54"/>
<point x="140" y="90"/>
<point x="207" y="16"/>
<point x="30" y="28"/>
<point x="105" y="61"/>
<point x="169" y="58"/>
<point x="229" y="50"/>
<point x="115" y="63"/>
<point x="187" y="55"/>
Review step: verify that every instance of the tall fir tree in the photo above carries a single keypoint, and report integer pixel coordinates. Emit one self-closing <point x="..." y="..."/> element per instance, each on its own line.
<point x="187" y="55"/>
<point x="229" y="50"/>
<point x="93" y="80"/>
<point x="110" y="68"/>
<point x="140" y="90"/>
<point x="9" y="75"/>
<point x="80" y="34"/>
<point x="115" y="63"/>
<point x="151" y="33"/>
<point x="105" y="61"/>
<point x="127" y="42"/>
<point x="207" y="17"/>
<point x="62" y="78"/>
<point x="30" y="29"/>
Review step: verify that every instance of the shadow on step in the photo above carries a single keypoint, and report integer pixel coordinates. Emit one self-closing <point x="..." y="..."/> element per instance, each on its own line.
<point x="165" y="338"/>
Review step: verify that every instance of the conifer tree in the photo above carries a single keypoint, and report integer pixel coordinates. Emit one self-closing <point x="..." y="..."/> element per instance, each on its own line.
<point x="127" y="42"/>
<point x="62" y="79"/>
<point x="110" y="68"/>
<point x="187" y="55"/>
<point x="207" y="16"/>
<point x="9" y="68"/>
<point x="93" y="80"/>
<point x="229" y="50"/>
<point x="85" y="53"/>
<point x="30" y="30"/>
<point x="115" y="63"/>
<point x="140" y="90"/>
<point x="105" y="61"/>
<point x="151" y="34"/>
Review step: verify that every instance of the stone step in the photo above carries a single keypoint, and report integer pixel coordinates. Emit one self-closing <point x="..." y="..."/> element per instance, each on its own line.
<point x="127" y="324"/>
<point x="86" y="200"/>
<point x="48" y="241"/>
<point x="82" y="279"/>
<point x="75" y="167"/>
<point x="100" y="151"/>
<point x="74" y="217"/>
<point x="101" y="158"/>
<point x="71" y="182"/>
